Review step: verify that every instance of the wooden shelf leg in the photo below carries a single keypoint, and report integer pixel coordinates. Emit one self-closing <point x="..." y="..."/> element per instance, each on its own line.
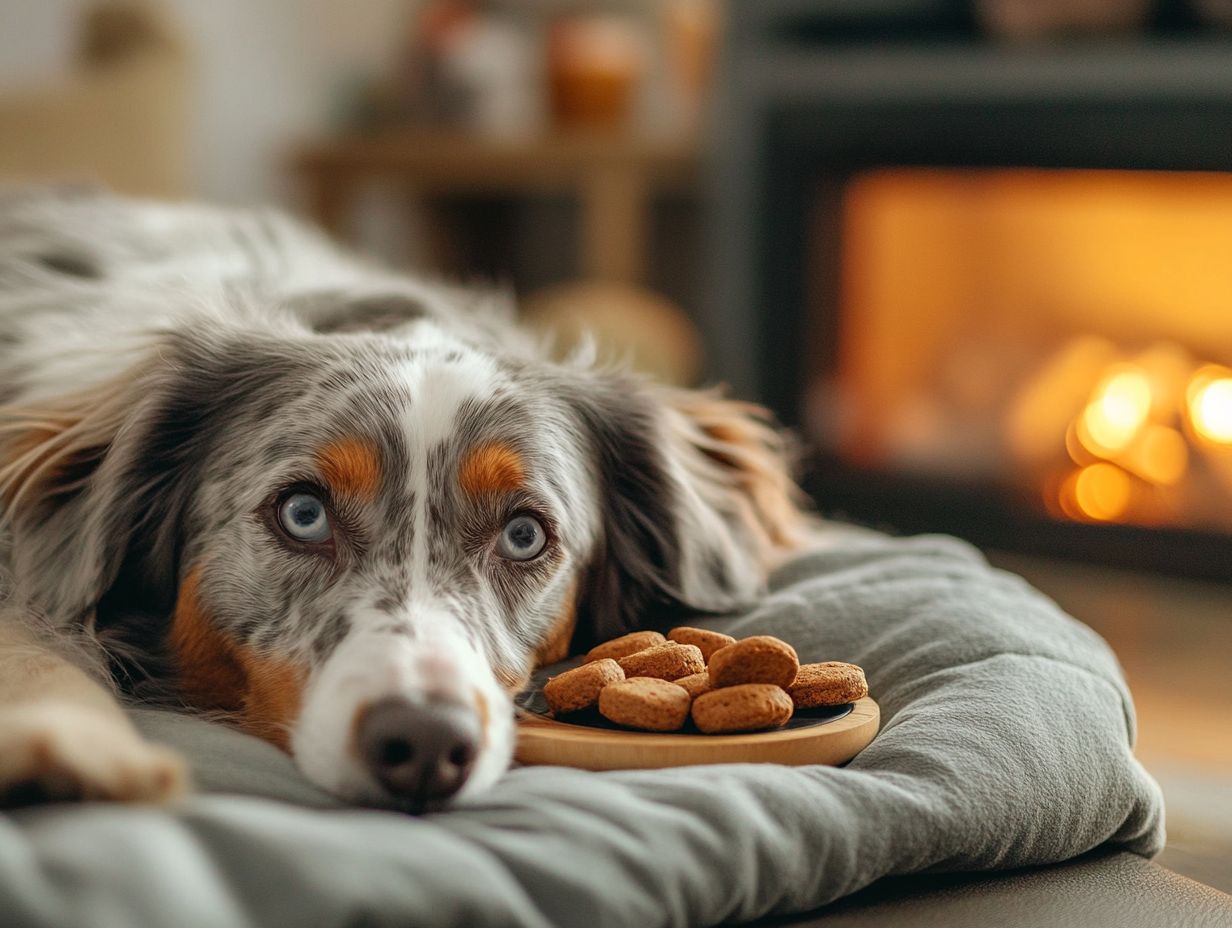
<point x="615" y="224"/>
<point x="331" y="201"/>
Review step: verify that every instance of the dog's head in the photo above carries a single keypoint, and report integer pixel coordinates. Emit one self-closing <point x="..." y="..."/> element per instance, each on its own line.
<point x="358" y="545"/>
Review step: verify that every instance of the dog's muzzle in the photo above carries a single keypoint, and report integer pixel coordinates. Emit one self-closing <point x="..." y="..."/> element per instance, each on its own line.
<point x="407" y="721"/>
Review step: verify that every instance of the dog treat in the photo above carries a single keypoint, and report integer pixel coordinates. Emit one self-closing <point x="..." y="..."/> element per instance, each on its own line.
<point x="646" y="703"/>
<point x="744" y="707"/>
<point x="695" y="684"/>
<point x="643" y="680"/>
<point x="707" y="641"/>
<point x="760" y="659"/>
<point x="830" y="684"/>
<point x="668" y="661"/>
<point x="624" y="646"/>
<point x="579" y="688"/>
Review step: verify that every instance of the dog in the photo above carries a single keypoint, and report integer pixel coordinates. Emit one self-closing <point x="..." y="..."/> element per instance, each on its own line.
<point x="246" y="474"/>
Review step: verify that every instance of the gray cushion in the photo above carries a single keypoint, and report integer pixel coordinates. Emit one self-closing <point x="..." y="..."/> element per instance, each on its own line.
<point x="1006" y="742"/>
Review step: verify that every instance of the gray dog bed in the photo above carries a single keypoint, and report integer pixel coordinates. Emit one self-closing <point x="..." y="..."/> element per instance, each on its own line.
<point x="1006" y="741"/>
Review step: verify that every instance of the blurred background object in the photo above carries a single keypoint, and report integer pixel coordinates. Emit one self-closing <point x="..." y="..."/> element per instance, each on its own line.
<point x="594" y="67"/>
<point x="1038" y="19"/>
<point x="978" y="253"/>
<point x="539" y="143"/>
<point x="628" y="324"/>
<point x="119" y="116"/>
<point x="468" y="69"/>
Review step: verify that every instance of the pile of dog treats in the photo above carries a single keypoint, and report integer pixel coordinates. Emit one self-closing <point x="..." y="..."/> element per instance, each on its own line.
<point x="646" y="681"/>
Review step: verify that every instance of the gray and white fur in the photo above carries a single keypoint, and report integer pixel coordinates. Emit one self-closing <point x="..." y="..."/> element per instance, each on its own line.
<point x="169" y="374"/>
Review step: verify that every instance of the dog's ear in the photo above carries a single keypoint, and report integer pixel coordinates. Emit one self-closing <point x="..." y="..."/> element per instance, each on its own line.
<point x="695" y="496"/>
<point x="68" y="525"/>
<point x="94" y="483"/>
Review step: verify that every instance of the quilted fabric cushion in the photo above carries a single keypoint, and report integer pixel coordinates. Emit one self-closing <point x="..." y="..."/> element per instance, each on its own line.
<point x="1007" y="741"/>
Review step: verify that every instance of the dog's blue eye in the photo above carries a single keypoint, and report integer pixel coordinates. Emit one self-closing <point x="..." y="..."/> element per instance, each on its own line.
<point x="304" y="518"/>
<point x="522" y="538"/>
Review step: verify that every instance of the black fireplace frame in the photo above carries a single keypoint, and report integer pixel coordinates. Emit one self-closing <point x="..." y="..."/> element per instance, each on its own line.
<point x="798" y="113"/>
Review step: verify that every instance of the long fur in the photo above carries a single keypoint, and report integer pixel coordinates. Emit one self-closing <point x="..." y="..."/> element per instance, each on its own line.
<point x="169" y="374"/>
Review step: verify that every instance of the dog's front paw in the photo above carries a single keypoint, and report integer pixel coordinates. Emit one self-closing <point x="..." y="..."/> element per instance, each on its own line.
<point x="54" y="752"/>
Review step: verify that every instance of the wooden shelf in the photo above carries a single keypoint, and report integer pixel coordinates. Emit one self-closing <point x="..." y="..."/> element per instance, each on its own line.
<point x="613" y="176"/>
<point x="445" y="161"/>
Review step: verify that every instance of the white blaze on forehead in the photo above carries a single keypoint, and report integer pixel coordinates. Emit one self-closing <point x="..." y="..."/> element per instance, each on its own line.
<point x="438" y="388"/>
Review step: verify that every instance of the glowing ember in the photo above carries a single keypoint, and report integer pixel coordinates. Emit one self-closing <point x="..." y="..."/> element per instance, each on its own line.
<point x="1210" y="407"/>
<point x="1064" y="334"/>
<point x="1101" y="492"/>
<point x="1159" y="456"/>
<point x="1145" y="436"/>
<point x="1118" y="410"/>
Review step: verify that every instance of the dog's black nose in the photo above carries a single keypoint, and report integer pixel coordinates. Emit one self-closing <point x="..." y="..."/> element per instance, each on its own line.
<point x="421" y="751"/>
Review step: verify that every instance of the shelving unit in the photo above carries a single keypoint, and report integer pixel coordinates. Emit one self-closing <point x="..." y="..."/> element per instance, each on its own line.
<point x="613" y="178"/>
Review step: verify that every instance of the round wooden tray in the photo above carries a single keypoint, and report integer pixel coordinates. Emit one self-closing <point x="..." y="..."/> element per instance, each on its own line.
<point x="833" y="740"/>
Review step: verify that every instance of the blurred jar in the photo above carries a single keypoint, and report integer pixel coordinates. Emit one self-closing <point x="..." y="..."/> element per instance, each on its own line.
<point x="595" y="64"/>
<point x="494" y="67"/>
<point x="470" y="68"/>
<point x="1025" y="20"/>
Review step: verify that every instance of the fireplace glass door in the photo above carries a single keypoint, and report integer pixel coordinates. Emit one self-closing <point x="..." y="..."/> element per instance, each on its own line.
<point x="1063" y="335"/>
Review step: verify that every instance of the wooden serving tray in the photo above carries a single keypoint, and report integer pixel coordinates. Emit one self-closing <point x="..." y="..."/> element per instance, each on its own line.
<point x="827" y="736"/>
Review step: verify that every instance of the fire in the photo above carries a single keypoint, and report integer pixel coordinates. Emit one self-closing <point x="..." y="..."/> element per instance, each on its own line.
<point x="1071" y="327"/>
<point x="1134" y="434"/>
<point x="1210" y="404"/>
<point x="1116" y="413"/>
<point x="1159" y="456"/>
<point x="1101" y="492"/>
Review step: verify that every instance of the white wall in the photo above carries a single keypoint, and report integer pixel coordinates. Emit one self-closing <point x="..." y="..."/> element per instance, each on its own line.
<point x="269" y="72"/>
<point x="35" y="39"/>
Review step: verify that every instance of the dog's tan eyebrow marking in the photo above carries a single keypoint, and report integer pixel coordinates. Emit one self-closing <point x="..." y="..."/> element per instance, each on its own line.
<point x="492" y="468"/>
<point x="214" y="672"/>
<point x="350" y="466"/>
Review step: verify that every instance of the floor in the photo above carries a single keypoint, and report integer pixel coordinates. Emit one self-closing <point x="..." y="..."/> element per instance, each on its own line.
<point x="1174" y="639"/>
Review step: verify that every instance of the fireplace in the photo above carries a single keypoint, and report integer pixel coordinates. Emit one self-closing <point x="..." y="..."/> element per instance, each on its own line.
<point x="991" y="287"/>
<point x="1064" y="334"/>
